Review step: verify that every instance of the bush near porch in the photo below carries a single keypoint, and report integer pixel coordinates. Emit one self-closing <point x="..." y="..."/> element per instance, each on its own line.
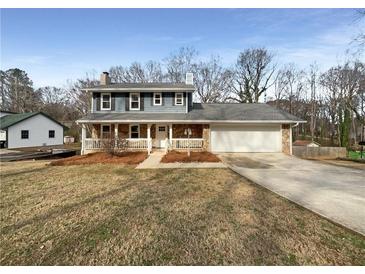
<point x="182" y="157"/>
<point x="127" y="158"/>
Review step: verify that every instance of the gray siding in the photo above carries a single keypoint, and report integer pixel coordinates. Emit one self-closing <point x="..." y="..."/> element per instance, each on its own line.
<point x="168" y="103"/>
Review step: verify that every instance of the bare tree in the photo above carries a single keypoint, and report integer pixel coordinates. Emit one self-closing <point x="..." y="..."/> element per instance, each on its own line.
<point x="253" y="73"/>
<point x="211" y="80"/>
<point x="137" y="73"/>
<point x="78" y="96"/>
<point x="179" y="63"/>
<point x="313" y="81"/>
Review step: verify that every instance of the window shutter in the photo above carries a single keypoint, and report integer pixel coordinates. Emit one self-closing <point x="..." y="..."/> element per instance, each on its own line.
<point x="126" y="101"/>
<point x="112" y="101"/>
<point x="173" y="98"/>
<point x="141" y="97"/>
<point x="162" y="98"/>
<point x="152" y="98"/>
<point x="184" y="98"/>
<point x="97" y="100"/>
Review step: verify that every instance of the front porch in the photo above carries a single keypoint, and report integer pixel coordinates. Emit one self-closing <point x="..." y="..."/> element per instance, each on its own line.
<point x="139" y="136"/>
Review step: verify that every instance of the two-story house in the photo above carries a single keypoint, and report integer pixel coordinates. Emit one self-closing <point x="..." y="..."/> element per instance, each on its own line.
<point x="161" y="115"/>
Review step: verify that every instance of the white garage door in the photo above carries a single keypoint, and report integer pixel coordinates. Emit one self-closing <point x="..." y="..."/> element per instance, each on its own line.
<point x="246" y="138"/>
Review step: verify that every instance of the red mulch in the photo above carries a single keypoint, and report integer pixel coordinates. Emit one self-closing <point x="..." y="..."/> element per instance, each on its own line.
<point x="129" y="158"/>
<point x="182" y="157"/>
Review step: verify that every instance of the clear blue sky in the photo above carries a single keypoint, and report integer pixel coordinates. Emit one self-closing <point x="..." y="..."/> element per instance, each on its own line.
<point x="54" y="45"/>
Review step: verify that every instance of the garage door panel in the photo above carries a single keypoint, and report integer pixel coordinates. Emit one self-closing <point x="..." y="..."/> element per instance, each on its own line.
<point x="229" y="138"/>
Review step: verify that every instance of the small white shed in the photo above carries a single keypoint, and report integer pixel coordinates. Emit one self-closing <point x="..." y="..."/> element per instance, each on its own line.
<point x="31" y="130"/>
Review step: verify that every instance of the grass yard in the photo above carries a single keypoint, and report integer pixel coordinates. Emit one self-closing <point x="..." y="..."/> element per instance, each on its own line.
<point x="355" y="154"/>
<point x="114" y="215"/>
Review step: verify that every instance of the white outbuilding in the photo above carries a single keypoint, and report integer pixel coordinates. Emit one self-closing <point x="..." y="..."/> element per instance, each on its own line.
<point x="31" y="129"/>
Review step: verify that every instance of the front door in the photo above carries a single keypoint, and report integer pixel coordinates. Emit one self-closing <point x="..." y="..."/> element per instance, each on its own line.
<point x="161" y="135"/>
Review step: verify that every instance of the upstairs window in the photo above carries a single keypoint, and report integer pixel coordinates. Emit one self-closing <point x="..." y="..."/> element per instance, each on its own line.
<point x="105" y="101"/>
<point x="24" y="134"/>
<point x="134" y="101"/>
<point x="51" y="133"/>
<point x="179" y="99"/>
<point x="157" y="99"/>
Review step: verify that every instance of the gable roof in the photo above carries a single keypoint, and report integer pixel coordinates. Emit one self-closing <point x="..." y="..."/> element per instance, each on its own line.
<point x="12" y="119"/>
<point x="143" y="86"/>
<point x="231" y="112"/>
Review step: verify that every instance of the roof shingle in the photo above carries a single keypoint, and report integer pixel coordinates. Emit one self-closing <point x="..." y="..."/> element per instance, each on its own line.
<point x="203" y="112"/>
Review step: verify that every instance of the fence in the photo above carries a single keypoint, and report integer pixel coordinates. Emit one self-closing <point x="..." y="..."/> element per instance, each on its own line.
<point x="319" y="152"/>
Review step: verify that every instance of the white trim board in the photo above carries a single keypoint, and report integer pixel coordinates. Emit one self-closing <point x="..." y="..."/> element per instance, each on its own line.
<point x="194" y="121"/>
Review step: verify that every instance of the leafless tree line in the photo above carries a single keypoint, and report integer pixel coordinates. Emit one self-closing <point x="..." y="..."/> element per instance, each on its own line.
<point x="331" y="101"/>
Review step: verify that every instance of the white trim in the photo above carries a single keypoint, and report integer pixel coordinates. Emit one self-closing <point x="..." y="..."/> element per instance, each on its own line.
<point x="195" y="121"/>
<point x="139" y="89"/>
<point x="182" y="99"/>
<point x="154" y="99"/>
<point x="130" y="100"/>
<point x="101" y="101"/>
<point x="102" y="131"/>
<point x="130" y="130"/>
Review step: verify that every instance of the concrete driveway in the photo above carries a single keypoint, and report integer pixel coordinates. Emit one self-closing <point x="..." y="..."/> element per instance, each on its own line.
<point x="337" y="193"/>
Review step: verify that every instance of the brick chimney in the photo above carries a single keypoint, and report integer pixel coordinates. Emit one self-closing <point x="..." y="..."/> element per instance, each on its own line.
<point x="104" y="78"/>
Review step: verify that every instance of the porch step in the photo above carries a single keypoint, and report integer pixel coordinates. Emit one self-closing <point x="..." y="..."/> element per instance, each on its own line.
<point x="152" y="161"/>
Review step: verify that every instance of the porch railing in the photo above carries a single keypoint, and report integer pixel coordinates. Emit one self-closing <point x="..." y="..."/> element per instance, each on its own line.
<point x="196" y="143"/>
<point x="94" y="144"/>
<point x="141" y="143"/>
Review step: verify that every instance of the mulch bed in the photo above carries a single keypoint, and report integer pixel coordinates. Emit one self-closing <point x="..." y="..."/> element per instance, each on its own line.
<point x="129" y="158"/>
<point x="182" y="157"/>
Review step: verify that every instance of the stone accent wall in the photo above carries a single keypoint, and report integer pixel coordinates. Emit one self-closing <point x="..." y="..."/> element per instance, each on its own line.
<point x="285" y="131"/>
<point x="178" y="130"/>
<point x="206" y="137"/>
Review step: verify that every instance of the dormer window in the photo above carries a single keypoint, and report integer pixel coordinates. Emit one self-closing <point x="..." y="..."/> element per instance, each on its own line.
<point x="105" y="101"/>
<point x="157" y="99"/>
<point x="179" y="99"/>
<point x="134" y="101"/>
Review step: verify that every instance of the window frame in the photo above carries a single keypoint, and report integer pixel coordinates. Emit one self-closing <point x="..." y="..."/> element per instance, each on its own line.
<point x="102" y="131"/>
<point x="102" y="100"/>
<point x="182" y="99"/>
<point x="154" y="98"/>
<point x="21" y="134"/>
<point x="130" y="100"/>
<point x="54" y="134"/>
<point x="138" y="131"/>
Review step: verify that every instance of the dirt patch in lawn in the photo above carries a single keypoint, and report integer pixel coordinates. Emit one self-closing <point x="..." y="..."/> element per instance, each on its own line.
<point x="129" y="158"/>
<point x="182" y="157"/>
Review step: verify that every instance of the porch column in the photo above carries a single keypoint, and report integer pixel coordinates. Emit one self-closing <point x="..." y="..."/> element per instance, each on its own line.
<point x="83" y="136"/>
<point x="115" y="135"/>
<point x="149" y="138"/>
<point x="170" y="136"/>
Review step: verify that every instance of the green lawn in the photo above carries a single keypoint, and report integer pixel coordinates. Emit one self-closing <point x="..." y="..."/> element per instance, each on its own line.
<point x="355" y="154"/>
<point x="115" y="215"/>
